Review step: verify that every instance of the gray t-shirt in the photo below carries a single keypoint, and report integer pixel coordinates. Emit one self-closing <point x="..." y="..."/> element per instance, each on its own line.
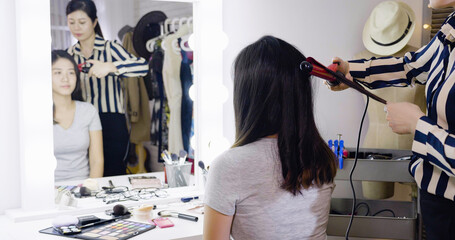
<point x="71" y="145"/>
<point x="245" y="181"/>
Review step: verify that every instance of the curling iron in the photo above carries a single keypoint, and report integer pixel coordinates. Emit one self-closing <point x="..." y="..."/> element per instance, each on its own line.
<point x="333" y="76"/>
<point x="85" y="69"/>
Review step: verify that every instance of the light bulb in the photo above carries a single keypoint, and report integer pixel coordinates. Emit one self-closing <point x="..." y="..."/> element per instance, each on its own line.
<point x="223" y="93"/>
<point x="217" y="146"/>
<point x="218" y="94"/>
<point x="193" y="142"/>
<point x="222" y="39"/>
<point x="191" y="42"/>
<point x="192" y="92"/>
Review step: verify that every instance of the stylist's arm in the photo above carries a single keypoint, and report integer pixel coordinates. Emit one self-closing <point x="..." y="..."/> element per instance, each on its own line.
<point x="343" y="67"/>
<point x="101" y="69"/>
<point x="403" y="117"/>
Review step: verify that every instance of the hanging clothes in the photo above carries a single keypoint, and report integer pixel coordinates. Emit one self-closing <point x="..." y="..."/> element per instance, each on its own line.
<point x="173" y="88"/>
<point x="186" y="77"/>
<point x="159" y="130"/>
<point x="137" y="101"/>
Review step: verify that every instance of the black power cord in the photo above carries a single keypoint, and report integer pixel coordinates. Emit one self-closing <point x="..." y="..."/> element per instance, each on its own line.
<point x="360" y="204"/>
<point x="385" y="210"/>
<point x="352" y="171"/>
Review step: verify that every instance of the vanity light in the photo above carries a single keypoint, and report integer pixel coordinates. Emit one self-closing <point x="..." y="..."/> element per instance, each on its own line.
<point x="223" y="93"/>
<point x="223" y="39"/>
<point x="192" y="92"/>
<point x="193" y="142"/>
<point x="191" y="41"/>
<point x="218" y="94"/>
<point x="216" y="147"/>
<point x="426" y="26"/>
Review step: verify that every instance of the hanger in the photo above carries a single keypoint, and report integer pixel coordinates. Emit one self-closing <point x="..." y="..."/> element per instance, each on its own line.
<point x="173" y="24"/>
<point x="166" y="27"/>
<point x="151" y="43"/>
<point x="161" y="29"/>
<point x="189" y="22"/>
<point x="166" y="31"/>
<point x="185" y="40"/>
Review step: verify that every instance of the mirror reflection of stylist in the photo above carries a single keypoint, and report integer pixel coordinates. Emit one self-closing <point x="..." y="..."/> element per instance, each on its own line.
<point x="433" y="163"/>
<point x="102" y="86"/>
<point x="77" y="127"/>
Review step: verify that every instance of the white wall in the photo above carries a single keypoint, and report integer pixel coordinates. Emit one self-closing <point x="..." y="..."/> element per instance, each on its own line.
<point x="171" y="9"/>
<point x="9" y="133"/>
<point x="131" y="11"/>
<point x="26" y="103"/>
<point x="321" y="29"/>
<point x="113" y="15"/>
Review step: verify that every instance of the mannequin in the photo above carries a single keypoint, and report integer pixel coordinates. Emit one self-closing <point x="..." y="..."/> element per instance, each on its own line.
<point x="380" y="135"/>
<point x="378" y="130"/>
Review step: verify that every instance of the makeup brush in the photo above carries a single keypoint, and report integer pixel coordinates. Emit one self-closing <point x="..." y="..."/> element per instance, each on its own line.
<point x="174" y="158"/>
<point x="165" y="213"/>
<point x="168" y="156"/>
<point x="182" y="157"/>
<point x="202" y="166"/>
<point x="166" y="159"/>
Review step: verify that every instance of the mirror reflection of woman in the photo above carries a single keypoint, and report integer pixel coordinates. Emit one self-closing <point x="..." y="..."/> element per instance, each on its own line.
<point x="101" y="86"/>
<point x="77" y="127"/>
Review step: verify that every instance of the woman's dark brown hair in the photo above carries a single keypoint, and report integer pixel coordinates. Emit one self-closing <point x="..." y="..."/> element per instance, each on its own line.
<point x="87" y="6"/>
<point x="77" y="92"/>
<point x="272" y="96"/>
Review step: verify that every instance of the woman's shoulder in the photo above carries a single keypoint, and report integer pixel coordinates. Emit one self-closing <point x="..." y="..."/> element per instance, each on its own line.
<point x="242" y="156"/>
<point x="86" y="107"/>
<point x="72" y="49"/>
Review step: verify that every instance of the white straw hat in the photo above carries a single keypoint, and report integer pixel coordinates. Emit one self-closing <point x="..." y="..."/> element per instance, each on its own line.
<point x="389" y="28"/>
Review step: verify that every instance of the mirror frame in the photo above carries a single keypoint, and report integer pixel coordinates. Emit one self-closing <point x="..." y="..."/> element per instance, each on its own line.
<point x="36" y="158"/>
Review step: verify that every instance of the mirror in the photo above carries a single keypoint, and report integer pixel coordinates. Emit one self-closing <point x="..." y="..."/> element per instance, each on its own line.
<point x="158" y="106"/>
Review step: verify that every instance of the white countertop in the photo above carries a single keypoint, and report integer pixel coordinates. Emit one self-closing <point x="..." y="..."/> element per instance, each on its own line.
<point x="25" y="224"/>
<point x="183" y="229"/>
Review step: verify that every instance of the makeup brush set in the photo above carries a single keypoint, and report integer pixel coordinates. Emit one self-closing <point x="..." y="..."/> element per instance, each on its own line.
<point x="177" y="169"/>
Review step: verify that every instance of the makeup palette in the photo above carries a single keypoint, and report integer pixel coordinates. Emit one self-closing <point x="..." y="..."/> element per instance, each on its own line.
<point x="118" y="230"/>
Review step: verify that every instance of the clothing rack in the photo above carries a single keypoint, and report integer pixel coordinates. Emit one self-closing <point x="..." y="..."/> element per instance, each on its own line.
<point x="170" y="26"/>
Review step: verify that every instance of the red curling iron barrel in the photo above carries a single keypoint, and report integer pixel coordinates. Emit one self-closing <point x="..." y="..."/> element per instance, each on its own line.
<point x="314" y="68"/>
<point x="334" y="77"/>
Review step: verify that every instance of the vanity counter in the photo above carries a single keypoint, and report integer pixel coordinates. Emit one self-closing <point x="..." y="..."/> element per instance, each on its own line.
<point x="19" y="224"/>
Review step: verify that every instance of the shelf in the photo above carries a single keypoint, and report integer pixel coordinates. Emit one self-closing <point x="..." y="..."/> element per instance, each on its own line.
<point x="403" y="226"/>
<point x="383" y="170"/>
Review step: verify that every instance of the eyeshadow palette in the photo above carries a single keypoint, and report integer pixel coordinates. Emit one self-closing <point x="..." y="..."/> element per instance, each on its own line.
<point x="118" y="230"/>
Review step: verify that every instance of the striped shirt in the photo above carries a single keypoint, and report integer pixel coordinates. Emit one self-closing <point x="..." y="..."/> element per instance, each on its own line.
<point x="433" y="163"/>
<point x="106" y="93"/>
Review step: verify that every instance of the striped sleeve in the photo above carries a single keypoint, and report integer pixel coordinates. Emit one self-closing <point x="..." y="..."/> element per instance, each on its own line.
<point x="127" y="64"/>
<point x="396" y="72"/>
<point x="435" y="145"/>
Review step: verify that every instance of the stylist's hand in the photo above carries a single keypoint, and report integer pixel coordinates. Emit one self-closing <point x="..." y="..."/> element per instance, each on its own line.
<point x="343" y="67"/>
<point x="101" y="69"/>
<point x="403" y="117"/>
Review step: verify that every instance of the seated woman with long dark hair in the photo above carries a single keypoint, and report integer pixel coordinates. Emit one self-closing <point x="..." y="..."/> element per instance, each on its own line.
<point x="277" y="179"/>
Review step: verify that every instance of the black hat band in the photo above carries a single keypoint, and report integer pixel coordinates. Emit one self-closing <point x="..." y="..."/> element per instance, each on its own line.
<point x="399" y="39"/>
